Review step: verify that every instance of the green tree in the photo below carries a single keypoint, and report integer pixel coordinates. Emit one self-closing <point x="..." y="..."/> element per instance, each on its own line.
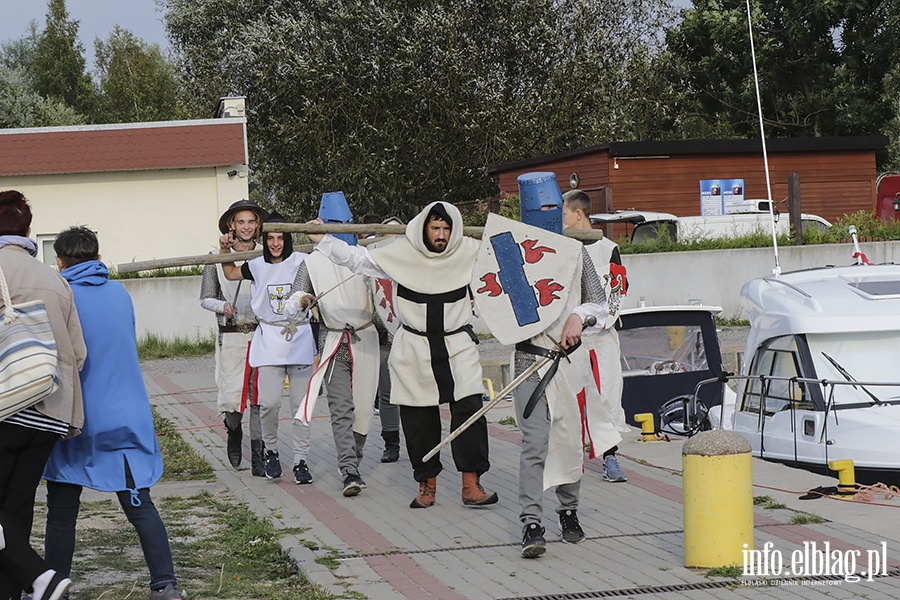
<point x="137" y="83"/>
<point x="20" y="53"/>
<point x="59" y="64"/>
<point x="21" y="106"/>
<point x="398" y="103"/>
<point x="821" y="65"/>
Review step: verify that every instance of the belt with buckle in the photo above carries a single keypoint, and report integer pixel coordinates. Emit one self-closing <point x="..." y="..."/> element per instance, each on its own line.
<point x="239" y="328"/>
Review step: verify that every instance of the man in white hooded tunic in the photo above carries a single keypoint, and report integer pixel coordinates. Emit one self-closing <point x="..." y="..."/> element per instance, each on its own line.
<point x="434" y="358"/>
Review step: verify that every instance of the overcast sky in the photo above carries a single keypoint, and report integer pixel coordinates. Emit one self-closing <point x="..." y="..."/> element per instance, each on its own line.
<point x="96" y="19"/>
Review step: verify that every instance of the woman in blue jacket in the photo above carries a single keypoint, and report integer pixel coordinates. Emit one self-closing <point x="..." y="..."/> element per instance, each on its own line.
<point x="117" y="449"/>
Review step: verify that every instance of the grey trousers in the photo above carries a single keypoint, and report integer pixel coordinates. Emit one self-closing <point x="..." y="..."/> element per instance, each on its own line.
<point x="271" y="389"/>
<point x="389" y="413"/>
<point x="349" y="444"/>
<point x="535" y="440"/>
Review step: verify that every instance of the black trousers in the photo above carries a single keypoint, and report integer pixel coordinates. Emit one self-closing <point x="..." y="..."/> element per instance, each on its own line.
<point x="23" y="454"/>
<point x="422" y="429"/>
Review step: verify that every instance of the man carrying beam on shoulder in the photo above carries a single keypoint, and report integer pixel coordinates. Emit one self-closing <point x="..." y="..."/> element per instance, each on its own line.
<point x="539" y="293"/>
<point x="434" y="359"/>
<point x="602" y="407"/>
<point x="348" y="345"/>
<point x="230" y="301"/>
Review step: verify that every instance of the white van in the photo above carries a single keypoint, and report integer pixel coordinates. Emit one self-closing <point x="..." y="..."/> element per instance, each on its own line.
<point x="649" y="225"/>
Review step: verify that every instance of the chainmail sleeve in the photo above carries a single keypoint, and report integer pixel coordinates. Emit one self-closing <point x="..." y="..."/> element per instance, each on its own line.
<point x="592" y="290"/>
<point x="209" y="285"/>
<point x="302" y="282"/>
<point x="211" y="297"/>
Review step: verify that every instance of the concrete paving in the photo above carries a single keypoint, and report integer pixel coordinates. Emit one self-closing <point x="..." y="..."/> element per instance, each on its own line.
<point x="374" y="546"/>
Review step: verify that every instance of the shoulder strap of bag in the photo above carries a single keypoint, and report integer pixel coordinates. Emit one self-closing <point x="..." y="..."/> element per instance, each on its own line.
<point x="8" y="313"/>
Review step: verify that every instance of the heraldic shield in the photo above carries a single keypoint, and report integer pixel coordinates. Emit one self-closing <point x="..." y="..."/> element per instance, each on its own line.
<point x="383" y="297"/>
<point x="522" y="278"/>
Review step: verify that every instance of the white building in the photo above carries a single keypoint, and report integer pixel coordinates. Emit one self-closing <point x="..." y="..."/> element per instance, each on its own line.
<point x="149" y="190"/>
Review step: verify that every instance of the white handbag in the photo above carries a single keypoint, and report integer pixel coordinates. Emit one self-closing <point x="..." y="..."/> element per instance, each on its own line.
<point x="28" y="356"/>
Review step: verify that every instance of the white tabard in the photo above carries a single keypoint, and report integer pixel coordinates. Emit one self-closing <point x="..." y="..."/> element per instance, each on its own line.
<point x="231" y="352"/>
<point x="349" y="305"/>
<point x="565" y="452"/>
<point x="271" y="286"/>
<point x="433" y="358"/>
<point x="605" y="417"/>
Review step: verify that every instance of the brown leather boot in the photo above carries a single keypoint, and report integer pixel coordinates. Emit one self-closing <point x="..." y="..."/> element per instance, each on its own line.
<point x="472" y="492"/>
<point x="426" y="494"/>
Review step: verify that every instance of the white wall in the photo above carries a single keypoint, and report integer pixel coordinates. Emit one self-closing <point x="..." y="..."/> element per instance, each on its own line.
<point x="138" y="215"/>
<point x="716" y="276"/>
<point x="170" y="306"/>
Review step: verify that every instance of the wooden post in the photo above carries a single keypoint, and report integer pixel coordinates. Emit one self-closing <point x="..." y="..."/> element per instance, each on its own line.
<point x="607" y="207"/>
<point x="794" y="207"/>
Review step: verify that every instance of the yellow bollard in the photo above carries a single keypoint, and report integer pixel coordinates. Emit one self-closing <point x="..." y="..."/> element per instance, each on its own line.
<point x="490" y="387"/>
<point x="846" y="475"/>
<point x="648" y="430"/>
<point x="718" y="499"/>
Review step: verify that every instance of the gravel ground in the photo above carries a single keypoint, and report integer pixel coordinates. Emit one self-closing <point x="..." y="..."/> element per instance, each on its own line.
<point x="167" y="366"/>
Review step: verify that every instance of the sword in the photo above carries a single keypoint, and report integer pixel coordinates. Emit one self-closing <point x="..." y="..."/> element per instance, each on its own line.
<point x="538" y="363"/>
<point x="304" y="320"/>
<point x="318" y="297"/>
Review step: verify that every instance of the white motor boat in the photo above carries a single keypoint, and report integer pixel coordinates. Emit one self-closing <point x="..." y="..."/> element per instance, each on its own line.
<point x="820" y="376"/>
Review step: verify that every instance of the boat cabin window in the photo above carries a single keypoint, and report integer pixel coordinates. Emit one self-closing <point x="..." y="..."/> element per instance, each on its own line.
<point x="779" y="361"/>
<point x="865" y="356"/>
<point x="662" y="350"/>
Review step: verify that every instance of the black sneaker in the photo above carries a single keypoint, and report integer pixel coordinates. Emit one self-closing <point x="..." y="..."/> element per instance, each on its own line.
<point x="533" y="543"/>
<point x="353" y="485"/>
<point x="301" y="473"/>
<point x="272" y="464"/>
<point x="571" y="528"/>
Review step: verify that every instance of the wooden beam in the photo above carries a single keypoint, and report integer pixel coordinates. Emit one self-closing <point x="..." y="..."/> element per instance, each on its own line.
<point x="380" y="230"/>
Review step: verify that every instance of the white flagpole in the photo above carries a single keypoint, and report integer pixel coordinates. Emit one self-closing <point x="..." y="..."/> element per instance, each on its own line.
<point x="762" y="134"/>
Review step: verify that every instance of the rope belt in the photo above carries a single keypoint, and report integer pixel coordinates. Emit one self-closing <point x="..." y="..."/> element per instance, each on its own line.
<point x="556" y="355"/>
<point x="465" y="328"/>
<point x="288" y="328"/>
<point x="348" y="328"/>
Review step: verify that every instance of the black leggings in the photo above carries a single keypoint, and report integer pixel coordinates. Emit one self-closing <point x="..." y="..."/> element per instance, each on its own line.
<point x="422" y="429"/>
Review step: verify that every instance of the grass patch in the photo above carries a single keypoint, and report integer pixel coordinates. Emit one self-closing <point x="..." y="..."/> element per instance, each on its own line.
<point x="767" y="502"/>
<point x="221" y="549"/>
<point x="153" y="347"/>
<point x="181" y="461"/>
<point x="806" y="519"/>
<point x="732" y="571"/>
<point x="508" y="421"/>
<point x="730" y="321"/>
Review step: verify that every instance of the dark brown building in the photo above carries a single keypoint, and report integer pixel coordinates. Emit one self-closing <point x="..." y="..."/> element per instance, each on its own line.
<point x="837" y="174"/>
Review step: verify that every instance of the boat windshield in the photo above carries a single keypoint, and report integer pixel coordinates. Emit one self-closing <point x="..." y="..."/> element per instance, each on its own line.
<point x="662" y="350"/>
<point x="869" y="358"/>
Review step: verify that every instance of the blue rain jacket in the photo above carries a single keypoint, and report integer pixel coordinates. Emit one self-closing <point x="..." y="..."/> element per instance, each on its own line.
<point x="118" y="432"/>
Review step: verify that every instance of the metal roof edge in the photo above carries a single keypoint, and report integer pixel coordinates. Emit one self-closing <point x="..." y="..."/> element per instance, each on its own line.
<point x="685" y="147"/>
<point x="124" y="126"/>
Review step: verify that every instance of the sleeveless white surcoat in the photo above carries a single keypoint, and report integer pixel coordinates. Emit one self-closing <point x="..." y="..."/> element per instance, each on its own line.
<point x="349" y="305"/>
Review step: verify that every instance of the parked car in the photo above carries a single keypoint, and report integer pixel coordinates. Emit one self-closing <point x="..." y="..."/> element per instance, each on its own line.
<point x="649" y="226"/>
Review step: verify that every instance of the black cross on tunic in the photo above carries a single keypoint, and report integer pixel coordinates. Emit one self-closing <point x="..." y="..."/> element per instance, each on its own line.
<point x="436" y="335"/>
